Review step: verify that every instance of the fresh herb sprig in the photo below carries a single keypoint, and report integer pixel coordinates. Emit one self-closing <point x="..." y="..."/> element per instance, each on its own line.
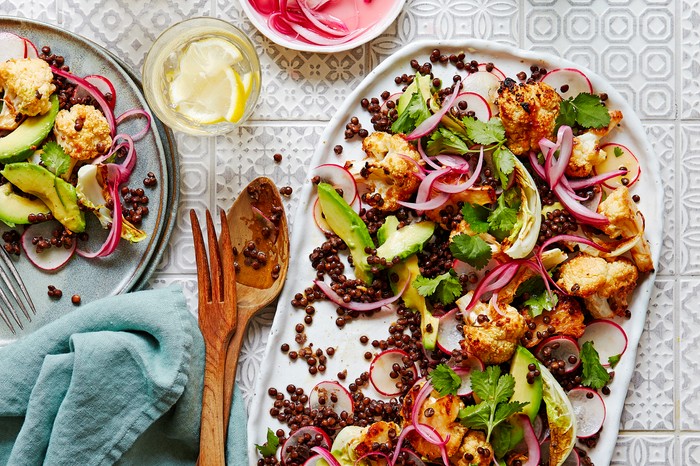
<point x="594" y="374"/>
<point x="445" y="380"/>
<point x="446" y="287"/>
<point x="585" y="110"/>
<point x="269" y="448"/>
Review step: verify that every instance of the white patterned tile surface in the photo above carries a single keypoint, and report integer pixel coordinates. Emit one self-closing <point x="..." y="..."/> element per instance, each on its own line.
<point x="648" y="49"/>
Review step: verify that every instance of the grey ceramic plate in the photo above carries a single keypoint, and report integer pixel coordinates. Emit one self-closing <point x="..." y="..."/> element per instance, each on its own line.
<point x="132" y="264"/>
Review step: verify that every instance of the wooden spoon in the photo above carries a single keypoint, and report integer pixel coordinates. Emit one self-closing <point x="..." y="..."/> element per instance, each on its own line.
<point x="257" y="215"/>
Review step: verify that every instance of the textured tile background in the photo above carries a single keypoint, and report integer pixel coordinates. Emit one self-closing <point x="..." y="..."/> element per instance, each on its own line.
<point x="649" y="49"/>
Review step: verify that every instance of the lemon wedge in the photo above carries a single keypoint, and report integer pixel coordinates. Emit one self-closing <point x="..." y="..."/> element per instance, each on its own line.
<point x="206" y="88"/>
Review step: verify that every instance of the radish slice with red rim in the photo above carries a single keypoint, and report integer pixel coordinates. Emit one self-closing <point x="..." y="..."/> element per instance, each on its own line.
<point x="13" y="46"/>
<point x="338" y="177"/>
<point x="494" y="71"/>
<point x="320" y="219"/>
<point x="485" y="84"/>
<point x="475" y="103"/>
<point x="568" y="82"/>
<point x="559" y="348"/>
<point x="105" y="86"/>
<point x="392" y="98"/>
<point x="624" y="159"/>
<point x="330" y="394"/>
<point x="31" y="50"/>
<point x="385" y="372"/>
<point x="49" y="259"/>
<point x="319" y="437"/>
<point x="449" y="336"/>
<point x="589" y="409"/>
<point x="610" y="340"/>
<point x="464" y="370"/>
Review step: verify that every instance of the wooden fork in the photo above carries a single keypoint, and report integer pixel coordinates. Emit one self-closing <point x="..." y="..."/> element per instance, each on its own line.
<point x="217" y="321"/>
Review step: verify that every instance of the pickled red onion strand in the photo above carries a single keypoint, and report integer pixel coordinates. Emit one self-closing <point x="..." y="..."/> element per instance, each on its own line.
<point x="565" y="182"/>
<point x="421" y="170"/>
<point x="115" y="232"/>
<point x="94" y="93"/>
<point x="533" y="446"/>
<point x="487" y="281"/>
<point x="429" y="434"/>
<point x="327" y="455"/>
<point x="536" y="166"/>
<point x="493" y="302"/>
<point x="580" y="212"/>
<point x="355" y="306"/>
<point x="277" y="23"/>
<point x="315" y="18"/>
<point x="316" y="38"/>
<point x="594" y="180"/>
<point x="452" y="161"/>
<point x="458" y="188"/>
<point x="136" y="112"/>
<point x="426" y="185"/>
<point x="565" y="141"/>
<point x="429" y="125"/>
<point x="571" y="238"/>
<point x="425" y="157"/>
<point x="399" y="441"/>
<point x="433" y="203"/>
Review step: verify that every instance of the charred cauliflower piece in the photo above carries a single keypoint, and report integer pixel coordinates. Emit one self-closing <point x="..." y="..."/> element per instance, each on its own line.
<point x="586" y="152"/>
<point x="385" y="172"/>
<point x="528" y="112"/>
<point x="443" y="420"/>
<point x="603" y="284"/>
<point x="479" y="195"/>
<point x="492" y="338"/>
<point x="83" y="132"/>
<point x="475" y="450"/>
<point x="27" y="85"/>
<point x="380" y="432"/>
<point x="626" y="221"/>
<point x="566" y="319"/>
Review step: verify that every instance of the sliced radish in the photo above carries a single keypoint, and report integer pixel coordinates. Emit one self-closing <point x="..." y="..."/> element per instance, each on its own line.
<point x="319" y="219"/>
<point x="475" y="103"/>
<point x="384" y="372"/>
<point x="495" y="71"/>
<point x="568" y="82"/>
<point x="464" y="371"/>
<point x="339" y="178"/>
<point x="297" y="438"/>
<point x="49" y="259"/>
<point x="609" y="339"/>
<point x="624" y="160"/>
<point x="449" y="336"/>
<point x="560" y="348"/>
<point x="485" y="84"/>
<point x="462" y="267"/>
<point x="392" y="98"/>
<point x="31" y="50"/>
<point x="589" y="409"/>
<point x="13" y="46"/>
<point x="330" y="394"/>
<point x="105" y="86"/>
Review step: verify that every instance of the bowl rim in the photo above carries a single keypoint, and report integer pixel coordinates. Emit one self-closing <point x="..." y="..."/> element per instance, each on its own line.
<point x="372" y="33"/>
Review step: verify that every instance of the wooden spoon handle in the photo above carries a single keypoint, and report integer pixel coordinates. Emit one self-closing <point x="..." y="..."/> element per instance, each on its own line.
<point x="234" y="351"/>
<point x="211" y="434"/>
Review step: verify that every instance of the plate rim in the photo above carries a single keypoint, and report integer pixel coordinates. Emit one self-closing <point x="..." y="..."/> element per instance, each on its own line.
<point x="605" y="447"/>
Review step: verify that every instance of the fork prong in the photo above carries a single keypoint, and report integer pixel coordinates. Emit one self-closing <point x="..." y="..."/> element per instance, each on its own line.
<point x="4" y="318"/>
<point x="214" y="261"/>
<point x="11" y="308"/>
<point x="200" y="253"/>
<point x="229" y="270"/>
<point x="13" y="270"/>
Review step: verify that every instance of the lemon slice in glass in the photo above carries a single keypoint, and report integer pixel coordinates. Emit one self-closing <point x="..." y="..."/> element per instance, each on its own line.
<point x="206" y="88"/>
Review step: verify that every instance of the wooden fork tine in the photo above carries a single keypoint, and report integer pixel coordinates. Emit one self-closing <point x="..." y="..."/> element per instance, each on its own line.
<point x="214" y="261"/>
<point x="227" y="261"/>
<point x="200" y="253"/>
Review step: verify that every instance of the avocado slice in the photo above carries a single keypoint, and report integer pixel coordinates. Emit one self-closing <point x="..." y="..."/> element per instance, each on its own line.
<point x="26" y="138"/>
<point x="408" y="270"/>
<point x="420" y="84"/>
<point x="406" y="241"/>
<point x="58" y="195"/>
<point x="348" y="225"/>
<point x="16" y="209"/>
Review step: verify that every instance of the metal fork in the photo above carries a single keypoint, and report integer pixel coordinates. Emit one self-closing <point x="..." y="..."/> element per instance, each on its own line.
<point x="12" y="281"/>
<point x="217" y="320"/>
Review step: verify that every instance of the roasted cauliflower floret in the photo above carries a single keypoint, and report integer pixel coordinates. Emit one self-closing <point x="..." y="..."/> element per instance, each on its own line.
<point x="565" y="319"/>
<point x="626" y="221"/>
<point x="27" y="85"/>
<point x="386" y="172"/>
<point x="528" y="112"/>
<point x="494" y="337"/>
<point x="445" y="411"/>
<point x="475" y="450"/>
<point x="586" y="152"/>
<point x="83" y="132"/>
<point x="604" y="284"/>
<point x="380" y="432"/>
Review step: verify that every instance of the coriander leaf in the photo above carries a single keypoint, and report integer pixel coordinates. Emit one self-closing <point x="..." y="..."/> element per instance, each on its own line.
<point x="594" y="374"/>
<point x="485" y="133"/>
<point x="504" y="163"/>
<point x="55" y="159"/>
<point x="475" y="216"/>
<point x="269" y="448"/>
<point x="541" y="302"/>
<point x="476" y="416"/>
<point x="613" y="360"/>
<point x="567" y="114"/>
<point x="503" y="218"/>
<point x="445" y="380"/>
<point x="414" y="114"/>
<point x="590" y="111"/>
<point x="618" y="152"/>
<point x="502" y="439"/>
<point x="471" y="249"/>
<point x="484" y="382"/>
<point x="445" y="141"/>
<point x="505" y="388"/>
<point x="506" y="410"/>
<point x="532" y="286"/>
<point x="446" y="287"/>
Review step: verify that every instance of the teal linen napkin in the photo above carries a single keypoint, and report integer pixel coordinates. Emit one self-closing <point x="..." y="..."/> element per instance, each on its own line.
<point x="114" y="381"/>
